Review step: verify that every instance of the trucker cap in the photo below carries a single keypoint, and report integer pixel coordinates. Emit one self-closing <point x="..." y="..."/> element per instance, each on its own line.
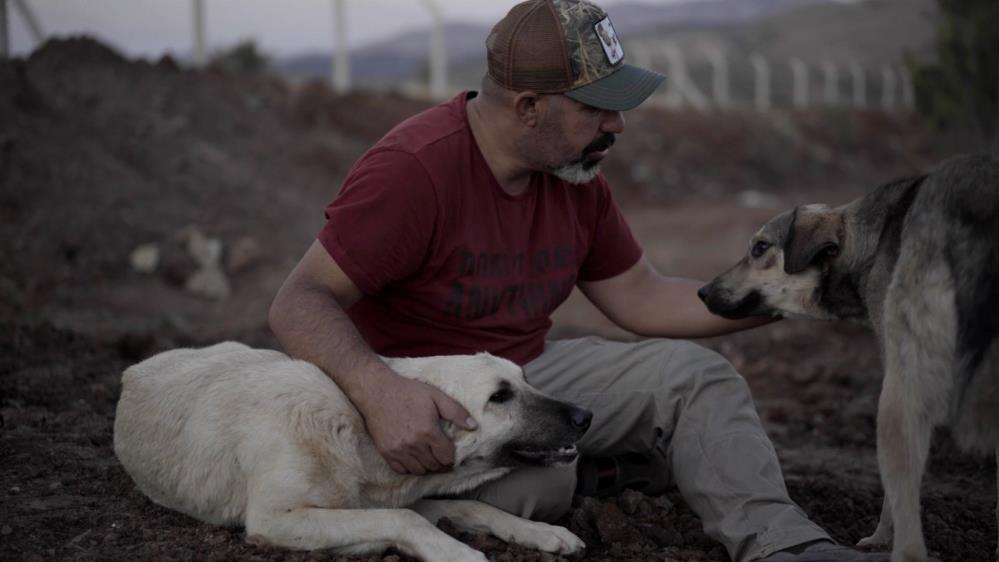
<point x="566" y="47"/>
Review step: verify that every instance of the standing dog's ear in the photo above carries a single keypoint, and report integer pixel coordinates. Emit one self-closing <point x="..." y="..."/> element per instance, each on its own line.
<point x="813" y="235"/>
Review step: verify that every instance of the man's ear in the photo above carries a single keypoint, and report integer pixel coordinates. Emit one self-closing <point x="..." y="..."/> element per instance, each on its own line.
<point x="812" y="237"/>
<point x="526" y="105"/>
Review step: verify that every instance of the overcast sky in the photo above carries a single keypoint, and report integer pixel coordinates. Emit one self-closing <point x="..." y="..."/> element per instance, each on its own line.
<point x="148" y="28"/>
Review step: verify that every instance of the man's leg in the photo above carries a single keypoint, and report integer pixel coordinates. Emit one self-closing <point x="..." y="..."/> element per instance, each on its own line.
<point x="671" y="398"/>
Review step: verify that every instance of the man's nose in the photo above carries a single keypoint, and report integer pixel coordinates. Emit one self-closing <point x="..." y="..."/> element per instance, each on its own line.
<point x="613" y="122"/>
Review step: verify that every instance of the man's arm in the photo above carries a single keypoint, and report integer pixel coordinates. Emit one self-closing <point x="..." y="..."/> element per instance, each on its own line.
<point x="649" y="304"/>
<point x="402" y="415"/>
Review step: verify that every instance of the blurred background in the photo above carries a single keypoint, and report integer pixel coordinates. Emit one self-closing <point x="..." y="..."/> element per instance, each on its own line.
<point x="165" y="163"/>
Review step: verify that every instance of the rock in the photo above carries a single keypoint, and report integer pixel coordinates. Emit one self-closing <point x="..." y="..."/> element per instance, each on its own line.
<point x="629" y="501"/>
<point x="663" y="503"/>
<point x="145" y="257"/>
<point x="612" y="526"/>
<point x="209" y="283"/>
<point x="242" y="255"/>
<point x="206" y="251"/>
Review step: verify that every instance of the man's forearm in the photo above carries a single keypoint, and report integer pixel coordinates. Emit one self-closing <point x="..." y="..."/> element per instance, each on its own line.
<point x="688" y="317"/>
<point x="311" y="325"/>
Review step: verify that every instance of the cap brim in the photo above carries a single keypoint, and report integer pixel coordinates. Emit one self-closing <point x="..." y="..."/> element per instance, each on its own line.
<point x="624" y="89"/>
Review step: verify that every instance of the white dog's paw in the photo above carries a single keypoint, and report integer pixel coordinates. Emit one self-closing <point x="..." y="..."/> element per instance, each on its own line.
<point x="549" y="538"/>
<point x="879" y="538"/>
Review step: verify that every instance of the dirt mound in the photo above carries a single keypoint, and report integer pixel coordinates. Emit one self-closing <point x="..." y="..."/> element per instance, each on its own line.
<point x="100" y="154"/>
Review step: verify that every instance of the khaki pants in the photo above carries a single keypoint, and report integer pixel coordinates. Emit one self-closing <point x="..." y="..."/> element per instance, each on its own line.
<point x="672" y="398"/>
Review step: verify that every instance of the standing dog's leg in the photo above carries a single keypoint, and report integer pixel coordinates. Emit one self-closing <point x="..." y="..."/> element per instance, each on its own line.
<point x="919" y="327"/>
<point x="480" y="517"/>
<point x="883" y="533"/>
<point x="356" y="531"/>
<point x="903" y="444"/>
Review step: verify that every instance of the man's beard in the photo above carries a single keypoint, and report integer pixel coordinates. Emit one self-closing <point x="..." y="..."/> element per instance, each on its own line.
<point x="584" y="169"/>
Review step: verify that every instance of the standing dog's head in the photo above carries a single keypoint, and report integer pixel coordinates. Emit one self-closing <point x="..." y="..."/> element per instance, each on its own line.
<point x="517" y="425"/>
<point x="783" y="271"/>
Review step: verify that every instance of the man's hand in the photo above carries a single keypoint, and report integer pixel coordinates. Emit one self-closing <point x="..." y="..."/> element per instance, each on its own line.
<point x="404" y="422"/>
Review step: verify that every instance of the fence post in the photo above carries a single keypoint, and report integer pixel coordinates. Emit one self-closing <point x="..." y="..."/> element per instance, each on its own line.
<point x="719" y="66"/>
<point x="859" y="86"/>
<point x="198" y="12"/>
<point x="438" y="52"/>
<point x="908" y="94"/>
<point x="4" y="45"/>
<point x="681" y="88"/>
<point x="887" y="88"/>
<point x="341" y="55"/>
<point x="831" y="76"/>
<point x="761" y="81"/>
<point x="800" y="72"/>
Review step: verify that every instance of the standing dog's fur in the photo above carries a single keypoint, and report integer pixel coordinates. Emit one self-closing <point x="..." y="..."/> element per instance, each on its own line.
<point x="917" y="258"/>
<point x="239" y="436"/>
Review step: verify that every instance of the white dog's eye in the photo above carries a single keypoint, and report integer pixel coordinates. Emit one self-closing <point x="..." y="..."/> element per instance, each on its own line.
<point x="504" y="394"/>
<point x="759" y="248"/>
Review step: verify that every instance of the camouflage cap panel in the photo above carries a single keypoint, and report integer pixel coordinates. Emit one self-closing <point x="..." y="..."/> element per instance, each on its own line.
<point x="586" y="52"/>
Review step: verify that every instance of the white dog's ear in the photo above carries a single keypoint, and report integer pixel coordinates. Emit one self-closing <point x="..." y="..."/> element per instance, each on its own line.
<point x="813" y="236"/>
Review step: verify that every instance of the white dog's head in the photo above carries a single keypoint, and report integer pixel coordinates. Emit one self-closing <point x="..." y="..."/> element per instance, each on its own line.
<point x="517" y="425"/>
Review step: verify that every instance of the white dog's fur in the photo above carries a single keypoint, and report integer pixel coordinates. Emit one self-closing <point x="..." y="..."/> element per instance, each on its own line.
<point x="239" y="436"/>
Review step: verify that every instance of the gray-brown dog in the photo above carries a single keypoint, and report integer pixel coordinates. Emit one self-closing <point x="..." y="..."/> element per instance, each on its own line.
<point x="916" y="259"/>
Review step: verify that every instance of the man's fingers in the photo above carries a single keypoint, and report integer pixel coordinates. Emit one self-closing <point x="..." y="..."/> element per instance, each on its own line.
<point x="450" y="410"/>
<point x="397" y="467"/>
<point x="412" y="465"/>
<point x="422" y="453"/>
<point x="442" y="450"/>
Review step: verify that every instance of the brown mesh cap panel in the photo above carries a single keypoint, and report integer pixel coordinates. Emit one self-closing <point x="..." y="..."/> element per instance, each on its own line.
<point x="527" y="50"/>
<point x="566" y="47"/>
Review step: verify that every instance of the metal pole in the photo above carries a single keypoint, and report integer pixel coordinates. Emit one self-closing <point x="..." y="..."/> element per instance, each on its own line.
<point x="859" y="88"/>
<point x="341" y="56"/>
<point x="800" y="73"/>
<point x="761" y="76"/>
<point x="199" y="32"/>
<point x="719" y="67"/>
<point x="831" y="76"/>
<point x="438" y="52"/>
<point x="908" y="96"/>
<point x="887" y="88"/>
<point x="681" y="88"/>
<point x="30" y="20"/>
<point x="4" y="47"/>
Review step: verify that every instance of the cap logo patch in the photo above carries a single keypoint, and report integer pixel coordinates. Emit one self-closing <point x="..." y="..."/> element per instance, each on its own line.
<point x="609" y="41"/>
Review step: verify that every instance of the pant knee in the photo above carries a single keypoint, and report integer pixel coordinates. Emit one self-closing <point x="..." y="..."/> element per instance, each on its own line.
<point x="539" y="494"/>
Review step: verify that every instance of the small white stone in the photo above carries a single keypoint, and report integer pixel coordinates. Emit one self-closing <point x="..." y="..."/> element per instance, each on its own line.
<point x="145" y="258"/>
<point x="209" y="283"/>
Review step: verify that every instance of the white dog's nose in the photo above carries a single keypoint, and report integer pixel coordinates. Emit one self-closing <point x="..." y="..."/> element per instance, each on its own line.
<point x="580" y="418"/>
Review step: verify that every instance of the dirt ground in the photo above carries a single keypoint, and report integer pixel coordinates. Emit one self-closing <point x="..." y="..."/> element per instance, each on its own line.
<point x="99" y="154"/>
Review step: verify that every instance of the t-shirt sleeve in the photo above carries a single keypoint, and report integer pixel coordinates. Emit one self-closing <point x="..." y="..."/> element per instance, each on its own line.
<point x="379" y="227"/>
<point x="613" y="248"/>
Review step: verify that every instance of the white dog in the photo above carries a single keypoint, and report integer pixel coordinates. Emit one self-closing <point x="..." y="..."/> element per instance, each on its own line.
<point x="239" y="436"/>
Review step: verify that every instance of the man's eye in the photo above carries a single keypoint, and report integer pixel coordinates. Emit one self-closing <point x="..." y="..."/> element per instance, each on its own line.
<point x="501" y="395"/>
<point x="759" y="248"/>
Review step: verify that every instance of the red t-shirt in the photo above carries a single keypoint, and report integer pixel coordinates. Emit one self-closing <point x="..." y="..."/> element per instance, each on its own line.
<point x="449" y="263"/>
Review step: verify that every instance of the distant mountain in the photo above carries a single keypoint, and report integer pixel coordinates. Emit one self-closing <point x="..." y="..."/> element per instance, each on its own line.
<point x="404" y="57"/>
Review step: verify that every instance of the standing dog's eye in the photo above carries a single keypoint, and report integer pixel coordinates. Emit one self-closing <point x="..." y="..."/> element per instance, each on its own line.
<point x="502" y="395"/>
<point x="759" y="248"/>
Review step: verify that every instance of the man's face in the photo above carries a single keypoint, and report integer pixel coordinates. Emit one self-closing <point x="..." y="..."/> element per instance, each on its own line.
<point x="573" y="138"/>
